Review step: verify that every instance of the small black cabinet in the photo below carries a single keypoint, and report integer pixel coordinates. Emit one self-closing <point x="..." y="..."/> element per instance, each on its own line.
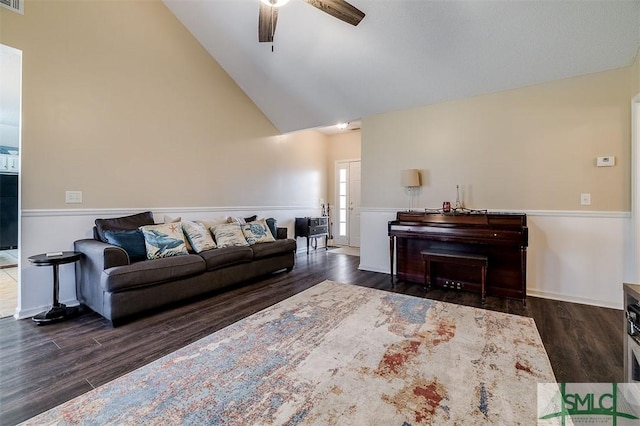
<point x="8" y="211"/>
<point x="312" y="228"/>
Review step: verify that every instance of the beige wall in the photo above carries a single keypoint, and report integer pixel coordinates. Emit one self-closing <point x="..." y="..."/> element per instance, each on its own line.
<point x="122" y="103"/>
<point x="531" y="148"/>
<point x="341" y="146"/>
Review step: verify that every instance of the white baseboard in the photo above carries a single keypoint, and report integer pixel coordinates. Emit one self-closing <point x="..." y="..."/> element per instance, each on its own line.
<point x="28" y="313"/>
<point x="372" y="268"/>
<point x="572" y="299"/>
<point x="573" y="256"/>
<point x="531" y="292"/>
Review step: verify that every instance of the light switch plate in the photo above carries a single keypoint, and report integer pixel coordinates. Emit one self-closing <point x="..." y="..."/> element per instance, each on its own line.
<point x="73" y="197"/>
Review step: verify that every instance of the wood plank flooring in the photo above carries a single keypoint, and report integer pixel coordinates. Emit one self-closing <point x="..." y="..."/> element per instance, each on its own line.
<point x="8" y="291"/>
<point x="41" y="367"/>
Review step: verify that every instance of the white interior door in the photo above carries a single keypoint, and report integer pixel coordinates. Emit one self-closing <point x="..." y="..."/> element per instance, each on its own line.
<point x="346" y="230"/>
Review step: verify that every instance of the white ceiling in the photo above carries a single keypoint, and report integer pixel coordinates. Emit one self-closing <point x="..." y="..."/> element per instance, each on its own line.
<point x="406" y="53"/>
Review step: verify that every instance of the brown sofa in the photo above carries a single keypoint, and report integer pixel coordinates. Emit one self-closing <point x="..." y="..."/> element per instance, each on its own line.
<point x="112" y="285"/>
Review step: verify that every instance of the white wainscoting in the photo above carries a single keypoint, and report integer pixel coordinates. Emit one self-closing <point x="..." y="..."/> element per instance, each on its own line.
<point x="574" y="256"/>
<point x="55" y="230"/>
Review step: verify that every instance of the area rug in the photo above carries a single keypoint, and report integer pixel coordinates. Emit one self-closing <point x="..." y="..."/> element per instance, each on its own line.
<point x="336" y="354"/>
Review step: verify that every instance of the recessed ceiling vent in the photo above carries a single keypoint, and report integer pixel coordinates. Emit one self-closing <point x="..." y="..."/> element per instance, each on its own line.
<point x="15" y="5"/>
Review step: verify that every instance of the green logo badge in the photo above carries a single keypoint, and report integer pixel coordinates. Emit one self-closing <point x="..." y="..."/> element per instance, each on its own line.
<point x="588" y="403"/>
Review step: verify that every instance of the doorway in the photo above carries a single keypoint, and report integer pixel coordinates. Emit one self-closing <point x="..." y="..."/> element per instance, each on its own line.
<point x="633" y="269"/>
<point x="348" y="185"/>
<point x="10" y="116"/>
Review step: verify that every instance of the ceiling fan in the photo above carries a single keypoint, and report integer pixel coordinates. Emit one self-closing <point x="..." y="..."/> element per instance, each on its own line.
<point x="337" y="8"/>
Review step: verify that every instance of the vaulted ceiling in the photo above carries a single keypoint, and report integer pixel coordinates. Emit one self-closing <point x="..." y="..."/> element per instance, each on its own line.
<point x="406" y="53"/>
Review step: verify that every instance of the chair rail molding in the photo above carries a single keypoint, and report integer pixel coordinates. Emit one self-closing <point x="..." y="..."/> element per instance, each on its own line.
<point x="574" y="256"/>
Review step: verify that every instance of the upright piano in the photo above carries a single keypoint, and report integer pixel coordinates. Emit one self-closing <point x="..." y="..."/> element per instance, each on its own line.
<point x="501" y="237"/>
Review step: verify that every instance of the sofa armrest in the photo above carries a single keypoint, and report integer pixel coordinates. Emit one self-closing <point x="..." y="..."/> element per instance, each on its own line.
<point x="98" y="256"/>
<point x="282" y="234"/>
<point x="102" y="255"/>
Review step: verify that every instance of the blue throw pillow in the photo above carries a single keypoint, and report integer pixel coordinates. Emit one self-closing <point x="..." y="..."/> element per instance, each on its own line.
<point x="273" y="227"/>
<point x="131" y="241"/>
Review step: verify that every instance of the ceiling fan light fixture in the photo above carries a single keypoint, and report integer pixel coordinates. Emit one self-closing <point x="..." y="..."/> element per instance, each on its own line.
<point x="275" y="3"/>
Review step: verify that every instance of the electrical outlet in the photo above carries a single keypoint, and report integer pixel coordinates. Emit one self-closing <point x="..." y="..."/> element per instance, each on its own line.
<point x="609" y="161"/>
<point x="585" y="199"/>
<point x="73" y="197"/>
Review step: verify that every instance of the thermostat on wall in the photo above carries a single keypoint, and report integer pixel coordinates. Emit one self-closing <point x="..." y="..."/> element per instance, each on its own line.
<point x="606" y="161"/>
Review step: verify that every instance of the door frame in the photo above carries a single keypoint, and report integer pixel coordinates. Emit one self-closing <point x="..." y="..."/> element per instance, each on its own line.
<point x="633" y="270"/>
<point x="6" y="49"/>
<point x="335" y="215"/>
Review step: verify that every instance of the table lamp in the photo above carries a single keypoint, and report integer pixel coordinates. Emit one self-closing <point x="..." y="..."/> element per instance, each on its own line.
<point x="410" y="179"/>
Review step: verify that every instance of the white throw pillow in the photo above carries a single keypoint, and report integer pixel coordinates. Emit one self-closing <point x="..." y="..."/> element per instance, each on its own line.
<point x="229" y="235"/>
<point x="199" y="236"/>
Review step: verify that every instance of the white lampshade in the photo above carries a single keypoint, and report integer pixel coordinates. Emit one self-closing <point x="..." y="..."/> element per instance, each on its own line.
<point x="410" y="178"/>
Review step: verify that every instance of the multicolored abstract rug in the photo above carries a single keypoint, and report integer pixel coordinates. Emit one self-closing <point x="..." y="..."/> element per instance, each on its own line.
<point x="336" y="354"/>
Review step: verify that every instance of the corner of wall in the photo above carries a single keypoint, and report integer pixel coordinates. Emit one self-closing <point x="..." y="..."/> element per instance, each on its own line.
<point x="636" y="74"/>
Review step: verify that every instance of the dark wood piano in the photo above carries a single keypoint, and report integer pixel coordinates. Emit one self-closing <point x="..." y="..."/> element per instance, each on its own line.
<point x="501" y="237"/>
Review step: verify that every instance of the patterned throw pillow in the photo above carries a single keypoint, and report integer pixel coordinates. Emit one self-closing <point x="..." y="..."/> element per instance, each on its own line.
<point x="199" y="236"/>
<point x="169" y="219"/>
<point x="257" y="232"/>
<point x="229" y="235"/>
<point x="164" y="240"/>
<point x="239" y="220"/>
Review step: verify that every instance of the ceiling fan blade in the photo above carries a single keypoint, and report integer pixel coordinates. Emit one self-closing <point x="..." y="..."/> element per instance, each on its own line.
<point x="339" y="9"/>
<point x="267" y="21"/>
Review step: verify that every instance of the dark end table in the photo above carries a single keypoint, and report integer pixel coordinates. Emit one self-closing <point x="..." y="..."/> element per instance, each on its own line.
<point x="59" y="311"/>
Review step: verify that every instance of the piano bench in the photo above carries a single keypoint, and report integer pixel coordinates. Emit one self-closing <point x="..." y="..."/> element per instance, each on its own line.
<point x="459" y="258"/>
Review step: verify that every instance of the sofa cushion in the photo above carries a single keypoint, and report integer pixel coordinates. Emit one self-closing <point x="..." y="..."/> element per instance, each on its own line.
<point x="221" y="257"/>
<point x="229" y="235"/>
<point x="125" y="223"/>
<point x="148" y="272"/>
<point x="199" y="236"/>
<point x="164" y="240"/>
<point x="260" y="251"/>
<point x="131" y="241"/>
<point x="257" y="232"/>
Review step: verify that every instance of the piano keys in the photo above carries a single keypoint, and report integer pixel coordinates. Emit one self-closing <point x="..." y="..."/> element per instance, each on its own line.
<point x="502" y="237"/>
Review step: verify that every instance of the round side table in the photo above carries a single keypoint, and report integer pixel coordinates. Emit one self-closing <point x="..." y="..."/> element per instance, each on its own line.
<point x="59" y="311"/>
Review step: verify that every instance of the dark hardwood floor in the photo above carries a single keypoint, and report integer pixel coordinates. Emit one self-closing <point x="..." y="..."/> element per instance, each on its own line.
<point x="41" y="367"/>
